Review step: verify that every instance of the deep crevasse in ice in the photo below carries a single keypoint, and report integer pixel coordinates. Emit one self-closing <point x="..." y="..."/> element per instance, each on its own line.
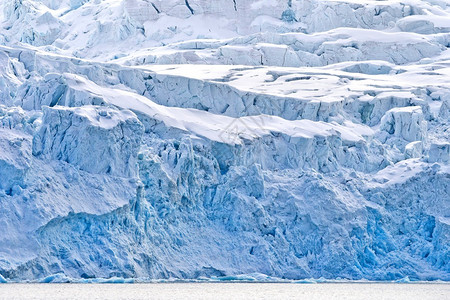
<point x="193" y="139"/>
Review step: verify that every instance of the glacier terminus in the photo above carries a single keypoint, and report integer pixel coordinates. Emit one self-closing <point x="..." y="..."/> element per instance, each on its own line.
<point x="224" y="139"/>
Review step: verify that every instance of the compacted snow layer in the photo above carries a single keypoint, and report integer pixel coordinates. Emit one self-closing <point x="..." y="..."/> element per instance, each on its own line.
<point x="211" y="139"/>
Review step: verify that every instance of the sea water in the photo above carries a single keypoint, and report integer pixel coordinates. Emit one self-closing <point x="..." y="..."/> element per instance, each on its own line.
<point x="227" y="291"/>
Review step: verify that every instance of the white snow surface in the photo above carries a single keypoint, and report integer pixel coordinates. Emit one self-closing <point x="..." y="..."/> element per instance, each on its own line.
<point x="203" y="139"/>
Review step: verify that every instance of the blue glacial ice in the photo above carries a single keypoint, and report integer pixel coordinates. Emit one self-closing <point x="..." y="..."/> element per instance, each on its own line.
<point x="224" y="140"/>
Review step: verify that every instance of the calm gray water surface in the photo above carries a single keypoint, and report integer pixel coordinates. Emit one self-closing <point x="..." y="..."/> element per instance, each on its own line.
<point x="226" y="291"/>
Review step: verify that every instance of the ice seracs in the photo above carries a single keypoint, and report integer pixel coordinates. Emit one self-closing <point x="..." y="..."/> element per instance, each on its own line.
<point x="213" y="139"/>
<point x="99" y="140"/>
<point x="15" y="160"/>
<point x="405" y="122"/>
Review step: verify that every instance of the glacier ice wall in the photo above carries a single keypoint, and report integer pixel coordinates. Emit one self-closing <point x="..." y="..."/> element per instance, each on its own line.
<point x="97" y="140"/>
<point x="207" y="139"/>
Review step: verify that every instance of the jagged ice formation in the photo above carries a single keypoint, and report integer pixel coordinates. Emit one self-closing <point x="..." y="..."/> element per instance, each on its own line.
<point x="198" y="139"/>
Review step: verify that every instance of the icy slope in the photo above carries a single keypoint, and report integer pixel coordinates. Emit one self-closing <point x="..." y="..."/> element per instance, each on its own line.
<point x="206" y="139"/>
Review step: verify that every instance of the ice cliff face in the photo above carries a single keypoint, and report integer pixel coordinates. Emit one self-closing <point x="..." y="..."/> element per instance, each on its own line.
<point x="209" y="139"/>
<point x="81" y="136"/>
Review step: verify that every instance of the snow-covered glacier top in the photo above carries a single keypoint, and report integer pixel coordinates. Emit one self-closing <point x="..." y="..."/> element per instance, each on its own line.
<point x="200" y="139"/>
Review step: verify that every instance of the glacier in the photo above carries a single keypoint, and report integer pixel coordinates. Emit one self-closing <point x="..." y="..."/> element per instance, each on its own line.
<point x="197" y="140"/>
